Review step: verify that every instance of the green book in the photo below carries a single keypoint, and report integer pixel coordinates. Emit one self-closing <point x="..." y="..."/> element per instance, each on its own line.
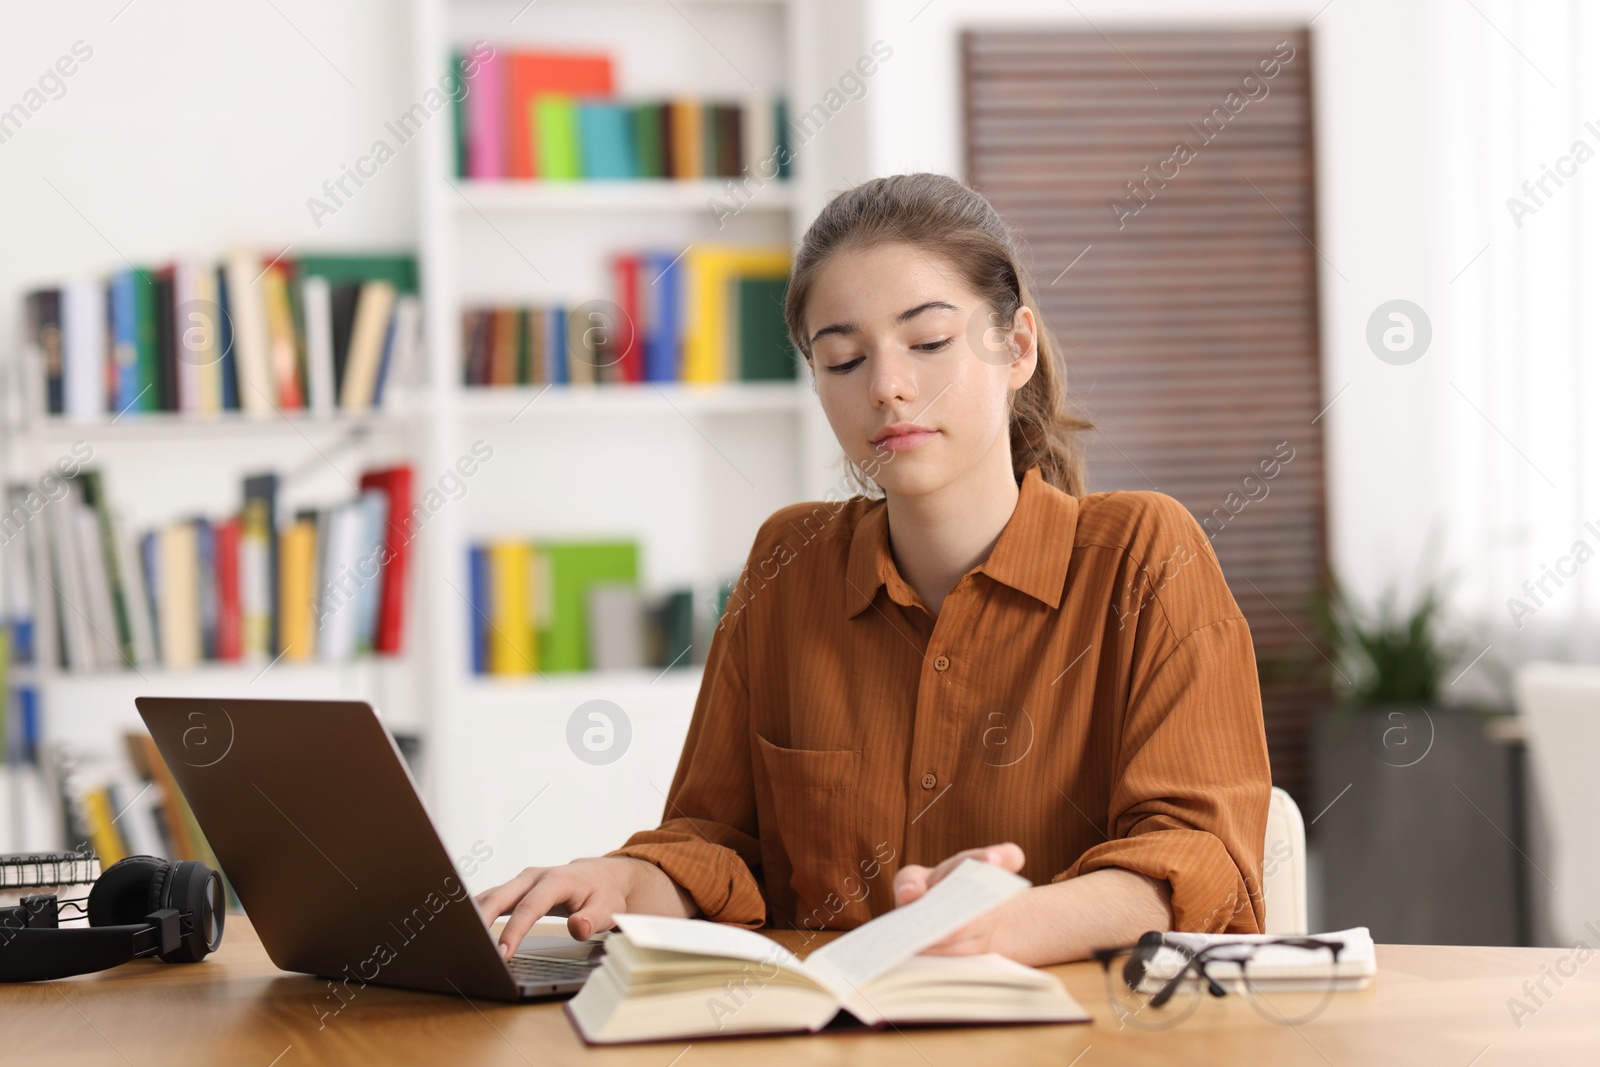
<point x="710" y="140"/>
<point x="524" y="348"/>
<point x="675" y="625"/>
<point x="764" y="353"/>
<point x="647" y="140"/>
<point x="94" y="498"/>
<point x="555" y="127"/>
<point x="147" y="340"/>
<point x="458" y="112"/>
<point x="566" y="570"/>
<point x="398" y="269"/>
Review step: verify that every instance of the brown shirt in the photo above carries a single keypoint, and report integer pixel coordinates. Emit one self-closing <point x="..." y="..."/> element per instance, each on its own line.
<point x="1089" y="691"/>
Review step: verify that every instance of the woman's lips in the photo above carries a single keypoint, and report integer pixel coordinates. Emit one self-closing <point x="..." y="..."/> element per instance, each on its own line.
<point x="901" y="442"/>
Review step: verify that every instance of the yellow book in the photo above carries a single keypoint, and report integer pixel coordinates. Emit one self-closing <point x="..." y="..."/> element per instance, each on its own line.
<point x="179" y="593"/>
<point x="367" y="335"/>
<point x="709" y="274"/>
<point x="103" y="832"/>
<point x="285" y="357"/>
<point x="688" y="138"/>
<point x="297" y="566"/>
<point x="511" y="643"/>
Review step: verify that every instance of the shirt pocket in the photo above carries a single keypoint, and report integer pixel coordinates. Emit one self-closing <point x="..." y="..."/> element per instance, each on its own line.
<point x="814" y="800"/>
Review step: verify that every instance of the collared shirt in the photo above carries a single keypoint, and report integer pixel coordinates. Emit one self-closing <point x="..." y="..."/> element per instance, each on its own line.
<point x="1088" y="691"/>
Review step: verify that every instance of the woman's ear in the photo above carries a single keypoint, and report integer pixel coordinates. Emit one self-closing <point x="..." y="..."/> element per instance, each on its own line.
<point x="1024" y="341"/>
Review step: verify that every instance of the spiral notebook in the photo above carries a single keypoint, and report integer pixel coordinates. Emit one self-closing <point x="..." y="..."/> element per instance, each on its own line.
<point x="46" y="870"/>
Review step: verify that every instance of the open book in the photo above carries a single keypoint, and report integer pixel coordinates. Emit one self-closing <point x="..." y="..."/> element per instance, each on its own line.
<point x="667" y="978"/>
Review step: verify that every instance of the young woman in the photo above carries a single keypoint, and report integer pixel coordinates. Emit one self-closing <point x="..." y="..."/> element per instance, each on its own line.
<point x="970" y="658"/>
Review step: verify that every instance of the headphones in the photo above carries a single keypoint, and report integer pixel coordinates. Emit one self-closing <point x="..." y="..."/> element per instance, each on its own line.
<point x="140" y="906"/>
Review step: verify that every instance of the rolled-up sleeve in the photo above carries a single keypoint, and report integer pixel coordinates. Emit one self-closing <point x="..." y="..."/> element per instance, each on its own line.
<point x="707" y="840"/>
<point x="1191" y="783"/>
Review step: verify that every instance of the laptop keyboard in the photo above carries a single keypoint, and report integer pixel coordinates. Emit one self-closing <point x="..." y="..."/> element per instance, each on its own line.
<point x="530" y="969"/>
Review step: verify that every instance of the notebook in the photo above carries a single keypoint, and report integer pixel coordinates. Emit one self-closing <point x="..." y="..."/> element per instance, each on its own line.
<point x="42" y="870"/>
<point x="665" y="978"/>
<point x="1274" y="967"/>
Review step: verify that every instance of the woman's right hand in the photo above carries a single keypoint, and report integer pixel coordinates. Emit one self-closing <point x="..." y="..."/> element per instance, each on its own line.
<point x="590" y="891"/>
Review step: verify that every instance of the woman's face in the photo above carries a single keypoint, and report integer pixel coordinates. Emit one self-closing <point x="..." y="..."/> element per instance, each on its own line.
<point x="898" y="337"/>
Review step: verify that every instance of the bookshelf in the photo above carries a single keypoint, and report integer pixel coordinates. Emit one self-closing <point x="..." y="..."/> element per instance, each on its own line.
<point x="689" y="471"/>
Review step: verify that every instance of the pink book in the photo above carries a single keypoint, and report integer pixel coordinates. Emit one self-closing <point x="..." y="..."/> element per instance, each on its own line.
<point x="486" y="124"/>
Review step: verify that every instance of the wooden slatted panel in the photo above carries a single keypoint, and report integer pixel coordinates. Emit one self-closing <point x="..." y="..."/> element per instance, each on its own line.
<point x="1190" y="326"/>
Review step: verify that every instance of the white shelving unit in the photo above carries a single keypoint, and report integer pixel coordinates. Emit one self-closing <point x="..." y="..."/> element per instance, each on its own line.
<point x="688" y="471"/>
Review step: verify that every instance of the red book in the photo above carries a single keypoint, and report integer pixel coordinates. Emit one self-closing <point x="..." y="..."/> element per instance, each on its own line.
<point x="230" y="623"/>
<point x="532" y="73"/>
<point x="395" y="483"/>
<point x="629" y="330"/>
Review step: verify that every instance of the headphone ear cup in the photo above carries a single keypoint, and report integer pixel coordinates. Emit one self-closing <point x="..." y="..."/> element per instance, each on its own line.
<point x="126" y="891"/>
<point x="196" y="891"/>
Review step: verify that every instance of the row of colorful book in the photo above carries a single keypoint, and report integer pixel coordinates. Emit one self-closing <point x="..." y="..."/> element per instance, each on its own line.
<point x="254" y="333"/>
<point x="713" y="313"/>
<point x="555" y="116"/>
<point x="556" y="606"/>
<point x="325" y="584"/>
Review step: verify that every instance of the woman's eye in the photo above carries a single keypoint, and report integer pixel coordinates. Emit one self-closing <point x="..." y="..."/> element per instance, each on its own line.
<point x="841" y="368"/>
<point x="932" y="346"/>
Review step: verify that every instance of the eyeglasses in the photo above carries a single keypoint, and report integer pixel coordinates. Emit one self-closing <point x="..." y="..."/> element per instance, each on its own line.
<point x="1156" y="983"/>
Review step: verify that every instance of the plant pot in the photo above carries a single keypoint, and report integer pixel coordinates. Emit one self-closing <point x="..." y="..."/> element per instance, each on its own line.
<point x="1412" y="819"/>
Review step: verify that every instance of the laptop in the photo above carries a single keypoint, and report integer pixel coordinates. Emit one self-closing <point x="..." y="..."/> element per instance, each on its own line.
<point x="317" y="824"/>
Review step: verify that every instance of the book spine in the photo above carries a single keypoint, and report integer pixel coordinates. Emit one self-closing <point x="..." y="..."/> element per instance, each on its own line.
<point x="125" y="342"/>
<point x="83" y="351"/>
<point x="486" y="99"/>
<point x="478" y="571"/>
<point x="207" y="595"/>
<point x="45" y="327"/>
<point x="166" y="345"/>
<point x="227" y="361"/>
<point x="230" y="628"/>
<point x="396" y="485"/>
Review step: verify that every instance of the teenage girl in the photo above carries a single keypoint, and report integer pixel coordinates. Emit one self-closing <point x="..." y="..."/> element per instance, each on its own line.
<point x="969" y="656"/>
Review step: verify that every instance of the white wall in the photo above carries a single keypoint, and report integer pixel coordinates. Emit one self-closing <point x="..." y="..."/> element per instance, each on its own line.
<point x="192" y="126"/>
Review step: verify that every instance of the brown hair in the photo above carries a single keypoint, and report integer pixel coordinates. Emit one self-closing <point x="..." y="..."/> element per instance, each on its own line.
<point x="941" y="214"/>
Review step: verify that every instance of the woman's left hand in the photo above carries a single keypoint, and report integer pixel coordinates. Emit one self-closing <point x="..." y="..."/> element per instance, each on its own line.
<point x="978" y="936"/>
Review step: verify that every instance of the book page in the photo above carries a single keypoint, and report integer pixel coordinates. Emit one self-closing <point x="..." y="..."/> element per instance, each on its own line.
<point x="881" y="945"/>
<point x="702" y="938"/>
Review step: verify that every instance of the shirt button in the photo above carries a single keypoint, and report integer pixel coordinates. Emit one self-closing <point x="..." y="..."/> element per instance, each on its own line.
<point x="929" y="780"/>
<point x="941" y="662"/>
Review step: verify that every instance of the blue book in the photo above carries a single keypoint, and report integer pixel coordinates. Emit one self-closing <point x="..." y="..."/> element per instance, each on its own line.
<point x="27" y="737"/>
<point x="605" y="134"/>
<point x="124" y="339"/>
<point x="389" y="336"/>
<point x="478" y="562"/>
<point x="22" y="640"/>
<point x="556" y="344"/>
<point x="369" y="571"/>
<point x="661" y="289"/>
<point x="230" y="365"/>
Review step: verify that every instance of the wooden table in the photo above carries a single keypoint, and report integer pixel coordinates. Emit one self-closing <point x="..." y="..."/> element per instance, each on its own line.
<point x="1429" y="1005"/>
